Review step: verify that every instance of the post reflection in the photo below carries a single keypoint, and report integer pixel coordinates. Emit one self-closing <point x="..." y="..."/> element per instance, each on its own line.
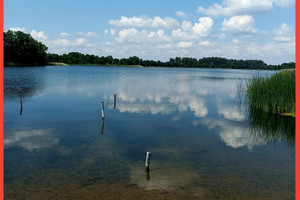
<point x="21" y="107"/>
<point x="102" y="126"/>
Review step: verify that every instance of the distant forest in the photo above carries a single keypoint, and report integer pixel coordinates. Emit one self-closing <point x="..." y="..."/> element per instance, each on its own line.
<point x="21" y="49"/>
<point x="75" y="58"/>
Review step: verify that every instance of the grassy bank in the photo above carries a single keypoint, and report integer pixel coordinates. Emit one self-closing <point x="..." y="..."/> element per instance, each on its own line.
<point x="57" y="64"/>
<point x="275" y="94"/>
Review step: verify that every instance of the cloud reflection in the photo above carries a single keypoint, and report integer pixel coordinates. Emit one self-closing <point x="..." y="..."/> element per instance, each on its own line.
<point x="192" y="103"/>
<point x="31" y="139"/>
<point x="232" y="113"/>
<point x="161" y="91"/>
<point x="146" y="108"/>
<point x="232" y="135"/>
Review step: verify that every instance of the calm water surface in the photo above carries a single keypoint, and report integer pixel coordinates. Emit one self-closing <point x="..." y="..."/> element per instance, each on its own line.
<point x="204" y="144"/>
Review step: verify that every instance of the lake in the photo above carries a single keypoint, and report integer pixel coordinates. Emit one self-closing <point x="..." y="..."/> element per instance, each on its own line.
<point x="204" y="143"/>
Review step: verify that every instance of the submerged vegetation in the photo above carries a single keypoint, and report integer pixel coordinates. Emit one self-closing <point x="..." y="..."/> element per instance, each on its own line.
<point x="274" y="94"/>
<point x="20" y="49"/>
<point x="272" y="127"/>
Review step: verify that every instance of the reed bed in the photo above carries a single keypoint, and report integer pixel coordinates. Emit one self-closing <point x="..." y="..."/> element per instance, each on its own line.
<point x="275" y="93"/>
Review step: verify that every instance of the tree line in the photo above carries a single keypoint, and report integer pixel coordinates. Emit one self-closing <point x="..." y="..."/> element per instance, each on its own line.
<point x="76" y="58"/>
<point x="23" y="50"/>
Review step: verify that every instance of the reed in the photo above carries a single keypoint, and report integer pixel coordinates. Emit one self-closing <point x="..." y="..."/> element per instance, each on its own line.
<point x="275" y="94"/>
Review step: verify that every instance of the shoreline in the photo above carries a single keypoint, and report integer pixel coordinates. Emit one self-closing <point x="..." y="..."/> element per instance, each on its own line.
<point x="58" y="64"/>
<point x="140" y="66"/>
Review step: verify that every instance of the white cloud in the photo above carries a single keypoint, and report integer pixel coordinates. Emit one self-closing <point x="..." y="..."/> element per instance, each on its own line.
<point x="205" y="43"/>
<point x="88" y="34"/>
<point x="17" y="29"/>
<point x="283" y="34"/>
<point x="181" y="14"/>
<point x="185" y="44"/>
<point x="156" y="22"/>
<point x="135" y="36"/>
<point x="38" y="35"/>
<point x="221" y="36"/>
<point x="63" y="34"/>
<point x="244" y="23"/>
<point x="186" y="25"/>
<point x="112" y="31"/>
<point x="235" y="41"/>
<point x="241" y="7"/>
<point x="165" y="46"/>
<point x="190" y="39"/>
<point x="80" y="41"/>
<point x="203" y="27"/>
<point x="62" y="42"/>
<point x="191" y="32"/>
<point x="65" y="42"/>
<point x="143" y="45"/>
<point x="284" y="3"/>
<point x="270" y="49"/>
<point x="129" y="34"/>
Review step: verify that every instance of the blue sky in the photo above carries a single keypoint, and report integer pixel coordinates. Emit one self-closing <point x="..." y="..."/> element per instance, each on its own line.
<point x="158" y="30"/>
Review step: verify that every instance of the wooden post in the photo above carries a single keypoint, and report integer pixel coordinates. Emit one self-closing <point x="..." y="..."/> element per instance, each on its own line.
<point x="147" y="162"/>
<point x="147" y="166"/>
<point x="21" y="107"/>
<point x="102" y="110"/>
<point x="115" y="101"/>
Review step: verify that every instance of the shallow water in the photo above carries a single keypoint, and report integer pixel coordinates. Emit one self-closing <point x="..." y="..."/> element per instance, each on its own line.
<point x="200" y="137"/>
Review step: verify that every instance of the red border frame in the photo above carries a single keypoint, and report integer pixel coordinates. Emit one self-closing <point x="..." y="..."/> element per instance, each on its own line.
<point x="2" y="108"/>
<point x="297" y="132"/>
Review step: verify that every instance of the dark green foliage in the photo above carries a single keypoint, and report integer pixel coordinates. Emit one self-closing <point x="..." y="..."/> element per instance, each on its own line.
<point x="274" y="93"/>
<point x="22" y="49"/>
<point x="75" y="58"/>
<point x="212" y="62"/>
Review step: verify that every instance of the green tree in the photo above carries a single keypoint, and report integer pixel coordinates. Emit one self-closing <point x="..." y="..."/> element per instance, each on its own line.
<point x="22" y="49"/>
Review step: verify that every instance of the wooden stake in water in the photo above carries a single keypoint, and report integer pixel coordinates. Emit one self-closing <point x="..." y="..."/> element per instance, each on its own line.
<point x="102" y="110"/>
<point x="21" y="107"/>
<point x="147" y="166"/>
<point x="147" y="162"/>
<point x="115" y="101"/>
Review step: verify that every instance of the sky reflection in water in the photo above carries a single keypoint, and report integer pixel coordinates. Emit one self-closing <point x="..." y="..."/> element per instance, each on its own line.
<point x="189" y="119"/>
